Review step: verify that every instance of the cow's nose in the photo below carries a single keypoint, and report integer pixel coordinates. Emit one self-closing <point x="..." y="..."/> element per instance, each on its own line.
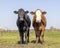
<point x="21" y="19"/>
<point x="38" y="21"/>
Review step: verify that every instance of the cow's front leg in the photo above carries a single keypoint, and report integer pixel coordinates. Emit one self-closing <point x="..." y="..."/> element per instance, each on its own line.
<point x="37" y="36"/>
<point x="37" y="39"/>
<point x="28" y="36"/>
<point x="21" y="38"/>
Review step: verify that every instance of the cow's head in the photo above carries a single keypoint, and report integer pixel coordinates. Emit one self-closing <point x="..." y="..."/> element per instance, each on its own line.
<point x="21" y="14"/>
<point x="38" y="14"/>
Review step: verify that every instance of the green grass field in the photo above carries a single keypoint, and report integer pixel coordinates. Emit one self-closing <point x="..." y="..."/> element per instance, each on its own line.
<point x="10" y="39"/>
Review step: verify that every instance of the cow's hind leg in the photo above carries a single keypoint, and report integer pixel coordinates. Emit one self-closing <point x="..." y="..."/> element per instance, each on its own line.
<point x="37" y="36"/>
<point x="26" y="36"/>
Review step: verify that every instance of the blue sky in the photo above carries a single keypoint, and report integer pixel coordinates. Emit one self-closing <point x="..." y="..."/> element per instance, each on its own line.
<point x="8" y="18"/>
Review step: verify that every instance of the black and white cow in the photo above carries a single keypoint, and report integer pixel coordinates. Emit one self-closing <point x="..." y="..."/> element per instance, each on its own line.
<point x="23" y="24"/>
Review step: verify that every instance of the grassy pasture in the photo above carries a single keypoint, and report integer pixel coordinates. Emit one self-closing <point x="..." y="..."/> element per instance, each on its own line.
<point x="9" y="40"/>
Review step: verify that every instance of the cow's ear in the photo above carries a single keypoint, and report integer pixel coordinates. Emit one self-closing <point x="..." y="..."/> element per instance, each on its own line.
<point x="26" y="12"/>
<point x="44" y="12"/>
<point x="16" y="12"/>
<point x="32" y="13"/>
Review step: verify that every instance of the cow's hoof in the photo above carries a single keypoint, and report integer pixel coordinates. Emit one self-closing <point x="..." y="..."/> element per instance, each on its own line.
<point x="28" y="41"/>
<point x="36" y="42"/>
<point x="43" y="42"/>
<point x="19" y="42"/>
<point x="39" y="41"/>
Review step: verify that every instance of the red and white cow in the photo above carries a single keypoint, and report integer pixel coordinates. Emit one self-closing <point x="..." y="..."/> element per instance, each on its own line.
<point x="39" y="24"/>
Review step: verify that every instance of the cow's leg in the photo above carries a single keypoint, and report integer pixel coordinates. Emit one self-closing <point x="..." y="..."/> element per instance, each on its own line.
<point x="36" y="39"/>
<point x="42" y="29"/>
<point x="39" y="39"/>
<point x="43" y="38"/>
<point x="37" y="36"/>
<point x="21" y="37"/>
<point x="42" y="34"/>
<point x="28" y="36"/>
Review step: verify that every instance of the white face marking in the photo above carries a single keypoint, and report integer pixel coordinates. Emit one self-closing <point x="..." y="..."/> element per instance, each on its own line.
<point x="38" y="16"/>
